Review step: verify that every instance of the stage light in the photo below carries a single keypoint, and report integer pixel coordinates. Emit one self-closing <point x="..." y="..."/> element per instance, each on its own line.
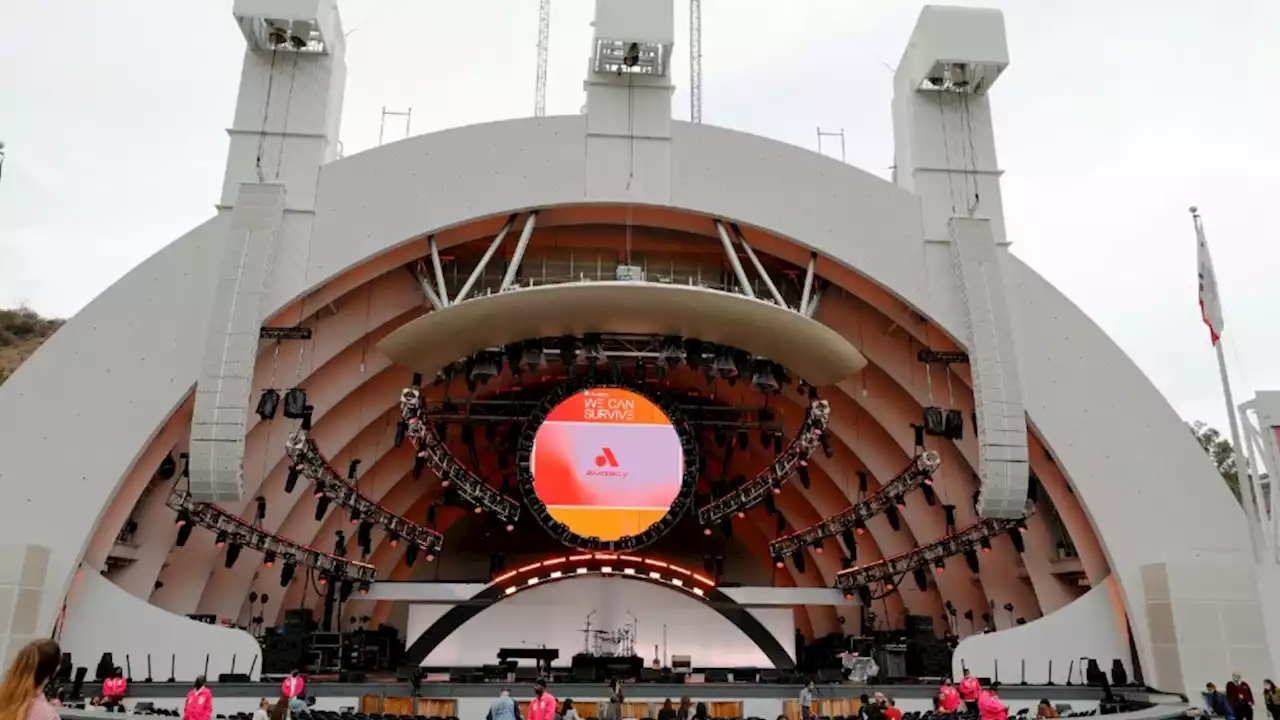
<point x="891" y="514"/>
<point x="319" y="488"/>
<point x="184" y="533"/>
<point x="183" y="518"/>
<point x="940" y="565"/>
<point x="724" y="366"/>
<point x="364" y="588"/>
<point x="410" y="555"/>
<point x="233" y="554"/>
<point x="261" y="510"/>
<point x="355" y="517"/>
<point x="930" y="497"/>
<point x="817" y="547"/>
<point x="269" y="559"/>
<point x="706" y="531"/>
<point x="864" y="594"/>
<point x="949" y="515"/>
<point x="168" y="468"/>
<point x="798" y="559"/>
<point x="484" y="367"/>
<point x="778" y="562"/>
<point x="985" y="543"/>
<point x="763" y="378"/>
<point x="971" y="559"/>
<point x="1015" y="537"/>
<point x="478" y="510"/>
<point x="846" y="536"/>
<point x="286" y="574"/>
<point x="671" y="353"/>
<point x="803" y="472"/>
<point x="864" y="481"/>
<point x="860" y="526"/>
<point x="901" y="502"/>
<point x="220" y="541"/>
<point x="593" y="350"/>
<point x="419" y="465"/>
<point x="322" y="506"/>
<point x="846" y="562"/>
<point x="291" y="481"/>
<point x="922" y="580"/>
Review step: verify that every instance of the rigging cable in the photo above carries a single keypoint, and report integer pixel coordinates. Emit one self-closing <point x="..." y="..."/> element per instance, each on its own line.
<point x="266" y="110"/>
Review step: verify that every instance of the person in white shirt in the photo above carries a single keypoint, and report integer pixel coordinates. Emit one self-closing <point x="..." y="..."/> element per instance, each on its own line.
<point x="568" y="713"/>
<point x="261" y="712"/>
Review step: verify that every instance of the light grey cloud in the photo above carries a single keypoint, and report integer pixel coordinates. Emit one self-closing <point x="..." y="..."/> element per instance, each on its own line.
<point x="1112" y="119"/>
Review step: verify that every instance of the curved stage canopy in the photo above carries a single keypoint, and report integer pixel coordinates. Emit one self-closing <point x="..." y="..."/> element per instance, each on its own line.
<point x="815" y="352"/>
<point x="931" y="311"/>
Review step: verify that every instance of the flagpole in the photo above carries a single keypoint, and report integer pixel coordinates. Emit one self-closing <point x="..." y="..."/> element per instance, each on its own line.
<point x="1248" y="501"/>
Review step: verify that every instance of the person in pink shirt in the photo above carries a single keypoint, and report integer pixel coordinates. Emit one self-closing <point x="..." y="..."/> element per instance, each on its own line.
<point x="199" y="702"/>
<point x="970" y="688"/>
<point x="948" y="697"/>
<point x="22" y="691"/>
<point x="293" y="686"/>
<point x="990" y="706"/>
<point x="543" y="705"/>
<point x="113" y="690"/>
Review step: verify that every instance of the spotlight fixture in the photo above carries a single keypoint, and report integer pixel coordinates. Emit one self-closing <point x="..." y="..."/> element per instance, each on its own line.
<point x="268" y="402"/>
<point x="671" y="353"/>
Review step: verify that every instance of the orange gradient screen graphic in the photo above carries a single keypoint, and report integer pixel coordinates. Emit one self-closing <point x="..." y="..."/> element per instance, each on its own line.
<point x="607" y="463"/>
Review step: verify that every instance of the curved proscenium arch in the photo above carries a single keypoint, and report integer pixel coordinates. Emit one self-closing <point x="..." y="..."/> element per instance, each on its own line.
<point x="601" y="564"/>
<point x="769" y="481"/>
<point x="561" y="531"/>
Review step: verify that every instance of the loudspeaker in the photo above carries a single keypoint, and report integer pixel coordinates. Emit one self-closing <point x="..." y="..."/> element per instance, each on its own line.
<point x="953" y="425"/>
<point x="1119" y="676"/>
<point x="934" y="421"/>
<point x="295" y="404"/>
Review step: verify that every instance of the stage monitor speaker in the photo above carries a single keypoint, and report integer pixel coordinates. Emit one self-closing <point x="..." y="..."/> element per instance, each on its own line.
<point x="233" y="678"/>
<point x="919" y="625"/>
<point x="1119" y="676"/>
<point x="934" y="421"/>
<point x="106" y="666"/>
<point x="1093" y="675"/>
<point x="716" y="676"/>
<point x="892" y="660"/>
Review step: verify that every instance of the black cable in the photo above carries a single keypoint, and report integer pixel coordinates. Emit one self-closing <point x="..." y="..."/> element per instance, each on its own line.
<point x="266" y="110"/>
<point x="288" y="102"/>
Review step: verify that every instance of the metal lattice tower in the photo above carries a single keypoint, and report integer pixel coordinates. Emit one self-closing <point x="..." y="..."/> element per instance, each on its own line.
<point x="695" y="61"/>
<point x="544" y="33"/>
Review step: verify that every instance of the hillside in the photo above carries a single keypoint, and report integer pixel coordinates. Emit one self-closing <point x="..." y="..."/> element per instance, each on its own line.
<point x="22" y="331"/>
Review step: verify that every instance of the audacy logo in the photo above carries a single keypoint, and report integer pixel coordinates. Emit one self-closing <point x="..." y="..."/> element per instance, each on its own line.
<point x="607" y="461"/>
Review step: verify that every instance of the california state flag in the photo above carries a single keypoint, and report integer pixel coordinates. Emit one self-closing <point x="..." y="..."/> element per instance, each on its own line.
<point x="1210" y="301"/>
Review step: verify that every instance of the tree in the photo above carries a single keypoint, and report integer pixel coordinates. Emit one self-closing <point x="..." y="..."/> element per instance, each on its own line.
<point x="1220" y="451"/>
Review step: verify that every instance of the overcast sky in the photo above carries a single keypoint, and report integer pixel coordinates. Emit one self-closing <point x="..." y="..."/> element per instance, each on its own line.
<point x="1115" y="115"/>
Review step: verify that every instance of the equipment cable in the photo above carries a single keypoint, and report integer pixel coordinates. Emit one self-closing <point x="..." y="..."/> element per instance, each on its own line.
<point x="266" y="110"/>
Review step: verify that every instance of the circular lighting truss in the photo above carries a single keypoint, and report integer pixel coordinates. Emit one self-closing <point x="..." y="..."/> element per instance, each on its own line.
<point x="562" y="532"/>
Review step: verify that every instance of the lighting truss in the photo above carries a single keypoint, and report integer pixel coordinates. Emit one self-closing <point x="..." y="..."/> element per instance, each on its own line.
<point x="503" y="410"/>
<point x="887" y="571"/>
<point x="435" y="454"/>
<point x="770" y="480"/>
<point x="916" y="474"/>
<point x="311" y="464"/>
<point x="237" y="531"/>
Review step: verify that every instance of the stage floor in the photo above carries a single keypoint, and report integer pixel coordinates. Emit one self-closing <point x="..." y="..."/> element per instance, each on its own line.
<point x="636" y="691"/>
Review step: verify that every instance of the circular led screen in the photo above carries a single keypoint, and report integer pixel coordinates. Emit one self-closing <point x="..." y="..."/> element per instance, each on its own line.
<point x="607" y="463"/>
